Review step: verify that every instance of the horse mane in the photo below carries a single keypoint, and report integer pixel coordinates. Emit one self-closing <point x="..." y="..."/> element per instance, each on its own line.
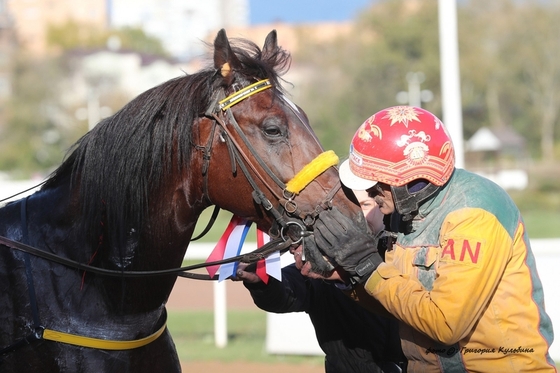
<point x="119" y="164"/>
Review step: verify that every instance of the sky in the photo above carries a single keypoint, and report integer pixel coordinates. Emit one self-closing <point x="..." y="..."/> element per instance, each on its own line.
<point x="298" y="11"/>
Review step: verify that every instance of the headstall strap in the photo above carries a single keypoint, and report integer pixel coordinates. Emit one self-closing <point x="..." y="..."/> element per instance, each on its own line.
<point x="242" y="94"/>
<point x="237" y="155"/>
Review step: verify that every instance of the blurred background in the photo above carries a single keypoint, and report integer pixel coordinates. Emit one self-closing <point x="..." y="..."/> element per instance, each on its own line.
<point x="66" y="64"/>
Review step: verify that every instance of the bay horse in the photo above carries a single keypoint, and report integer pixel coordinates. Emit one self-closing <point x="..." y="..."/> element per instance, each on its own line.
<point x="126" y="201"/>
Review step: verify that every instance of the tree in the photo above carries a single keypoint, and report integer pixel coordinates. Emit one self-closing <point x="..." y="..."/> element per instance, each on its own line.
<point x="509" y="53"/>
<point x="358" y="75"/>
<point x="535" y="38"/>
<point x="34" y="138"/>
<point x="72" y="35"/>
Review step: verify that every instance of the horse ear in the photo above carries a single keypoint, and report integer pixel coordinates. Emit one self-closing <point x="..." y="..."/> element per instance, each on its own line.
<point x="224" y="58"/>
<point x="270" y="43"/>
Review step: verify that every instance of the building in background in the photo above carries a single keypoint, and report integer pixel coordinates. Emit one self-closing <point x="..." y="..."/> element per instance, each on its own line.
<point x="101" y="81"/>
<point x="97" y="75"/>
<point x="499" y="154"/>
<point x="32" y="18"/>
<point x="7" y="45"/>
<point x="181" y="25"/>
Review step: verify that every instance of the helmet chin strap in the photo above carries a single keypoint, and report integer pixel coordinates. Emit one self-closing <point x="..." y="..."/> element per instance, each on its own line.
<point x="407" y="203"/>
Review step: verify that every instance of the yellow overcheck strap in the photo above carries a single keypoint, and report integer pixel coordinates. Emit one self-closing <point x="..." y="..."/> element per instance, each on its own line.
<point x="242" y="94"/>
<point x="103" y="344"/>
<point x="313" y="169"/>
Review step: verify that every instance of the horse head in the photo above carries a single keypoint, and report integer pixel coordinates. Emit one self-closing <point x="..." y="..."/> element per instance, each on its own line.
<point x="283" y="177"/>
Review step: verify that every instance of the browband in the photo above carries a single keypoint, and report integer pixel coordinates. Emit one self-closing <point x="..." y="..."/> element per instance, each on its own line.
<point x="242" y="94"/>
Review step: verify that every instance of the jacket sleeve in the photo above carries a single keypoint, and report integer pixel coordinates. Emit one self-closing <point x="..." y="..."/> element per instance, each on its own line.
<point x="289" y="295"/>
<point x="471" y="259"/>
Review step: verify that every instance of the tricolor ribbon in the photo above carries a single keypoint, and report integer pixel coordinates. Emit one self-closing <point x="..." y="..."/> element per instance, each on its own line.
<point x="272" y="265"/>
<point x="231" y="244"/>
<point x="220" y="248"/>
<point x="262" y="239"/>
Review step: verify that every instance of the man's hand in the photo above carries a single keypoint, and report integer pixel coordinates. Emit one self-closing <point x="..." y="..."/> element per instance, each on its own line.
<point x="349" y="244"/>
<point x="246" y="273"/>
<point x="310" y="270"/>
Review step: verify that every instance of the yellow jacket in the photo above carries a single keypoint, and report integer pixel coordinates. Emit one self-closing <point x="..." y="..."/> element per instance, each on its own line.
<point x="464" y="285"/>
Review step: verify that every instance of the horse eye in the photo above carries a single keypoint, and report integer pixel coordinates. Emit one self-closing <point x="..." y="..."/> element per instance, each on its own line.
<point x="272" y="131"/>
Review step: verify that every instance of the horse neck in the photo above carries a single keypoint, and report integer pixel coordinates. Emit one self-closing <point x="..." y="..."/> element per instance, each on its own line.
<point x="53" y="220"/>
<point x="160" y="245"/>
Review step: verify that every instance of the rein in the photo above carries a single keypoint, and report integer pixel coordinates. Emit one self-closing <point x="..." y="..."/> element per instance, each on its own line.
<point x="262" y="252"/>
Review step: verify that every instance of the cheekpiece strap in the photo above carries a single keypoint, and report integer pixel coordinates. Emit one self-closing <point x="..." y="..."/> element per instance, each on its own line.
<point x="242" y="94"/>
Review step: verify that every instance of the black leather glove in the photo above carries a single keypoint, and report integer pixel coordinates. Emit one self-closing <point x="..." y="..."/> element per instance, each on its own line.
<point x="320" y="264"/>
<point x="348" y="243"/>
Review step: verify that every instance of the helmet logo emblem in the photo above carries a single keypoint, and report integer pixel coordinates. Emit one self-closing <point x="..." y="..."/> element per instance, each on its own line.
<point x="415" y="151"/>
<point x="366" y="134"/>
<point x="402" y="114"/>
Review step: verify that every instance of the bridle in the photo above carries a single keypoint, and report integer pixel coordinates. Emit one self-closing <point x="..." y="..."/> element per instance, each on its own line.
<point x="220" y="111"/>
<point x="281" y="240"/>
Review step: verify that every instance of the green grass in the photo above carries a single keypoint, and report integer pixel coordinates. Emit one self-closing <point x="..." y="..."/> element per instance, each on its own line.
<point x="542" y="224"/>
<point x="193" y="333"/>
<point x="217" y="229"/>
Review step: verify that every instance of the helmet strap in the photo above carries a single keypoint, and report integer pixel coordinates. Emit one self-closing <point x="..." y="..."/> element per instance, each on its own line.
<point x="407" y="203"/>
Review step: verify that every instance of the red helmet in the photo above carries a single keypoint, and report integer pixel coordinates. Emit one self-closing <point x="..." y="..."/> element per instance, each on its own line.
<point x="396" y="146"/>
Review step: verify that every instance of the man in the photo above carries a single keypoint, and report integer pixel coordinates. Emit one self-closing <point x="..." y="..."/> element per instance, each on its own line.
<point x="353" y="339"/>
<point x="461" y="276"/>
<point x="370" y="209"/>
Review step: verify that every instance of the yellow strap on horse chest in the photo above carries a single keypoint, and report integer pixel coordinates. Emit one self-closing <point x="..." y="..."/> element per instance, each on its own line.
<point x="103" y="344"/>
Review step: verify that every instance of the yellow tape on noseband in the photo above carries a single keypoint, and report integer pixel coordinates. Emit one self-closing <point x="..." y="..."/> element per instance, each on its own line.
<point x="313" y="169"/>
